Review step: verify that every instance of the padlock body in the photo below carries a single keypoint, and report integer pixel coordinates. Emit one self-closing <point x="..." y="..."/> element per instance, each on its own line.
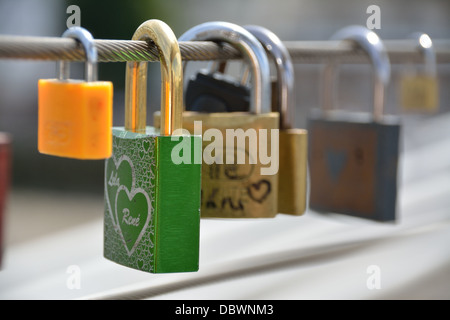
<point x="292" y="176"/>
<point x="75" y="118"/>
<point x="152" y="204"/>
<point x="232" y="190"/>
<point x="419" y="93"/>
<point x="353" y="167"/>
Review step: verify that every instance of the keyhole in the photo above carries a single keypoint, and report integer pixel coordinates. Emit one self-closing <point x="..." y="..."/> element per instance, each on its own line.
<point x="359" y="155"/>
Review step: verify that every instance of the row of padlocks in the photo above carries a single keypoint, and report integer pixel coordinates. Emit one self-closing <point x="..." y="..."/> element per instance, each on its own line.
<point x="160" y="180"/>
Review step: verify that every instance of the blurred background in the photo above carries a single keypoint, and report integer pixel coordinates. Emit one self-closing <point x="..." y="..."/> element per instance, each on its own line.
<point x="37" y="180"/>
<point x="293" y="20"/>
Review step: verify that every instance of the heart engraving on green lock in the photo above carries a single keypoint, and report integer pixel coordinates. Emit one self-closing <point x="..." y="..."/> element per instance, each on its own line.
<point x="146" y="145"/>
<point x="133" y="214"/>
<point x="117" y="173"/>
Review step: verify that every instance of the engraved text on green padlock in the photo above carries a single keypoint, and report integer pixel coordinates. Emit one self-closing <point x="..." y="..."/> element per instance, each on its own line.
<point x="152" y="205"/>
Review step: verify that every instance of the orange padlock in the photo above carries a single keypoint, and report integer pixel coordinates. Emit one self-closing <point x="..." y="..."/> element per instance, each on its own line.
<point x="75" y="116"/>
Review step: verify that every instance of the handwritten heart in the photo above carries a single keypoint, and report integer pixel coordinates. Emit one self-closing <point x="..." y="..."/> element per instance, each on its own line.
<point x="260" y="190"/>
<point x="117" y="173"/>
<point x="133" y="213"/>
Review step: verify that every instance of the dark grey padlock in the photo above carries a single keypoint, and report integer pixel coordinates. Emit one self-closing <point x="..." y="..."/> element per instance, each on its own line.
<point x="354" y="160"/>
<point x="211" y="90"/>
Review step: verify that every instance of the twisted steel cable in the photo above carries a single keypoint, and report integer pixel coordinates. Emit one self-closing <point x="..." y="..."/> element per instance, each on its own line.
<point x="53" y="48"/>
<point x="46" y="48"/>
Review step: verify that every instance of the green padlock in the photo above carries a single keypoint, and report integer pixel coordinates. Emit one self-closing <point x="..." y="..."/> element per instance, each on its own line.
<point x="152" y="204"/>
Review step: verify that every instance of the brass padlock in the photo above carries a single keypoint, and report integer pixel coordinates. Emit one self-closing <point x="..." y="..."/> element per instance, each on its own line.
<point x="354" y="157"/>
<point x="239" y="180"/>
<point x="419" y="90"/>
<point x="292" y="175"/>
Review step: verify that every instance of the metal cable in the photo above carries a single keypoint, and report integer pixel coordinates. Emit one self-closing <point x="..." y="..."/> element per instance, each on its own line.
<point x="44" y="48"/>
<point x="48" y="48"/>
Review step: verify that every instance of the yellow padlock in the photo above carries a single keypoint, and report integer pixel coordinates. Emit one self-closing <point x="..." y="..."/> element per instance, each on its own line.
<point x="419" y="91"/>
<point x="75" y="116"/>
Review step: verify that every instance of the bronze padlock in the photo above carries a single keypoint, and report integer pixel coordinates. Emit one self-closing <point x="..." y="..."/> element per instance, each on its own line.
<point x="354" y="157"/>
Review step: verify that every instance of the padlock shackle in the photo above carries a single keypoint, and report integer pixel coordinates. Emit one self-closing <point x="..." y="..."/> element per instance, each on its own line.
<point x="285" y="72"/>
<point x="250" y="48"/>
<point x="171" y="80"/>
<point x="87" y="41"/>
<point x="425" y="45"/>
<point x="370" y="42"/>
